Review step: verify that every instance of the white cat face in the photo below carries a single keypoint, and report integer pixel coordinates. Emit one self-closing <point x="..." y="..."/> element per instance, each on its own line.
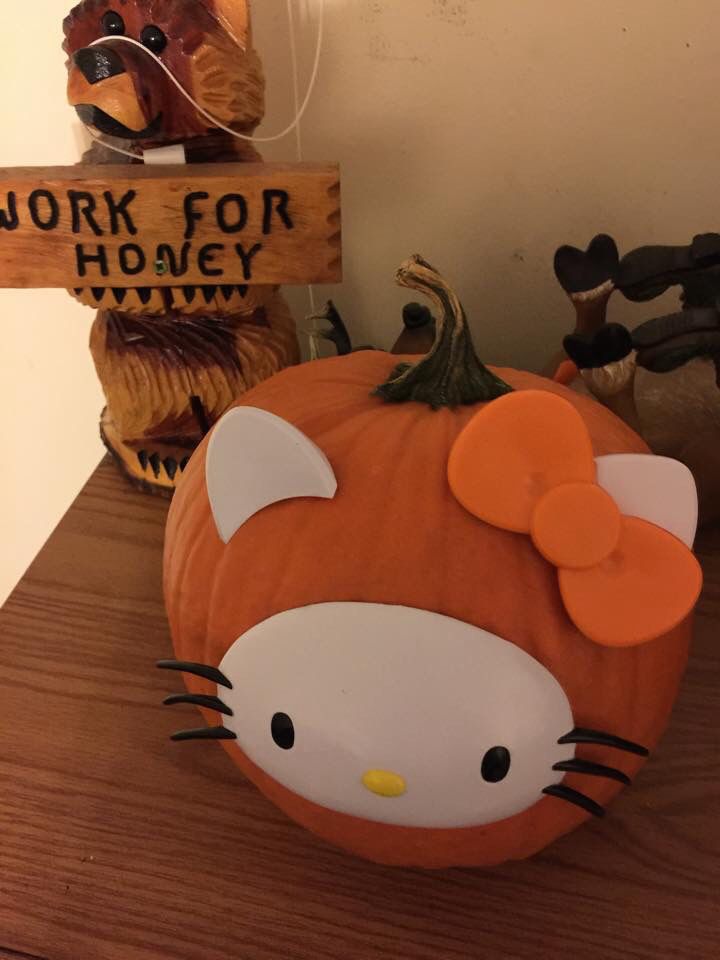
<point x="396" y="715"/>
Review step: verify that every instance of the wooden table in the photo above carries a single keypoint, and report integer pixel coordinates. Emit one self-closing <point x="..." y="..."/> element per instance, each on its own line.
<point x="115" y="843"/>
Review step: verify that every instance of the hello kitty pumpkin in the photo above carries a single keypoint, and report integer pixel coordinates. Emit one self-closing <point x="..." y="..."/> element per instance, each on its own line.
<point x="432" y="636"/>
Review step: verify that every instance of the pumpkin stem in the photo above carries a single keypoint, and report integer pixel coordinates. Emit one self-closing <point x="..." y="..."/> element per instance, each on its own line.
<point x="451" y="373"/>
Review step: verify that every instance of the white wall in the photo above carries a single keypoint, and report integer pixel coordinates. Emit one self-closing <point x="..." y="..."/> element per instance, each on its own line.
<point x="49" y="440"/>
<point x="482" y="133"/>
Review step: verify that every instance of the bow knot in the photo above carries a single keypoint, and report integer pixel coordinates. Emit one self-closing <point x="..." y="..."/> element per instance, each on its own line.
<point x="592" y="534"/>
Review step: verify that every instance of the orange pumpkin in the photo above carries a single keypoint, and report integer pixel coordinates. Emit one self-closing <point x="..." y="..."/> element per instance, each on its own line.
<point x="396" y="543"/>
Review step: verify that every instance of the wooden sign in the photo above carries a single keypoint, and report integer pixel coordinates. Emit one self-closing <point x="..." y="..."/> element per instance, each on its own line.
<point x="131" y="226"/>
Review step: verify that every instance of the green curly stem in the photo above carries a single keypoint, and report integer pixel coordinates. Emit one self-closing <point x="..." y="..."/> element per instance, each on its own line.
<point x="451" y="374"/>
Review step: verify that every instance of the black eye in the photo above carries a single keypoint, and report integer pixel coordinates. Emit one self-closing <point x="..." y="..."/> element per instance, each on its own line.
<point x="283" y="731"/>
<point x="154" y="39"/>
<point x="496" y="764"/>
<point x="113" y="24"/>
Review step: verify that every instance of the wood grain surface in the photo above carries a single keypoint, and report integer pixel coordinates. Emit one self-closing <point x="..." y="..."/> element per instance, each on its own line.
<point x="108" y="226"/>
<point x="117" y="845"/>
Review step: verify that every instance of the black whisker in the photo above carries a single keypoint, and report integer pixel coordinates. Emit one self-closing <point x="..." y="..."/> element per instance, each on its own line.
<point x="198" y="670"/>
<point x="204" y="733"/>
<point x="562" y="792"/>
<point x="212" y="703"/>
<point x="592" y="770"/>
<point x="583" y="735"/>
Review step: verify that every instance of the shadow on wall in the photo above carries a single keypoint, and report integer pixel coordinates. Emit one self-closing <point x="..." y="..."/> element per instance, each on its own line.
<point x="485" y="134"/>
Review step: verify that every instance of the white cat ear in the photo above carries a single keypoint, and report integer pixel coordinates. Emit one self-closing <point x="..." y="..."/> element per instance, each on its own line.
<point x="255" y="459"/>
<point x="657" y="489"/>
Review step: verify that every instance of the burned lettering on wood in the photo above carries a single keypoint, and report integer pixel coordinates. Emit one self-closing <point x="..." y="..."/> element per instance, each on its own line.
<point x="126" y="254"/>
<point x="193" y="216"/>
<point x="166" y="254"/>
<point x="159" y="224"/>
<point x="206" y="256"/>
<point x="9" y="219"/>
<point x="120" y="209"/>
<point x="51" y="222"/>
<point x="83" y="205"/>
<point x="246" y="257"/>
<point x="84" y="258"/>
<point x="241" y="213"/>
<point x="277" y="200"/>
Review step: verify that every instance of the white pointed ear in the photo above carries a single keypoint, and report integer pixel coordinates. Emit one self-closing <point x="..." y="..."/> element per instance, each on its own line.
<point x="657" y="489"/>
<point x="254" y="459"/>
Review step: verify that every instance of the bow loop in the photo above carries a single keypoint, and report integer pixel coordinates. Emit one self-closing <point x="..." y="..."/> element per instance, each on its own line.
<point x="516" y="449"/>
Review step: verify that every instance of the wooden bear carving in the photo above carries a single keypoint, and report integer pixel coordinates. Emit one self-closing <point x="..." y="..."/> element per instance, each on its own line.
<point x="171" y="360"/>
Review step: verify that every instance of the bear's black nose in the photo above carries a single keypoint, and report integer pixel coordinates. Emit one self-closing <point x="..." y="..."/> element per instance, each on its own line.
<point x="98" y="63"/>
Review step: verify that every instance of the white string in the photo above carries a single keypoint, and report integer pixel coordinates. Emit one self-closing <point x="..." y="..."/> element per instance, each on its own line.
<point x="299" y="146"/>
<point x="111" y="146"/>
<point x="295" y="77"/>
<point x="208" y="116"/>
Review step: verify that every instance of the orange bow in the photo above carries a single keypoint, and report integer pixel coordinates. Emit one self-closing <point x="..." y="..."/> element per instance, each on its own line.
<point x="525" y="463"/>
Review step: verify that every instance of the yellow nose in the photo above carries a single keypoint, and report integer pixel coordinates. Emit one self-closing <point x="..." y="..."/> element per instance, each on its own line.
<point x="384" y="783"/>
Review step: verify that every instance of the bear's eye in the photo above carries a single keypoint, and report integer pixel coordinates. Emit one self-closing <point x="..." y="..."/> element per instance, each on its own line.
<point x="154" y="39"/>
<point x="283" y="731"/>
<point x="113" y="24"/>
<point x="496" y="764"/>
